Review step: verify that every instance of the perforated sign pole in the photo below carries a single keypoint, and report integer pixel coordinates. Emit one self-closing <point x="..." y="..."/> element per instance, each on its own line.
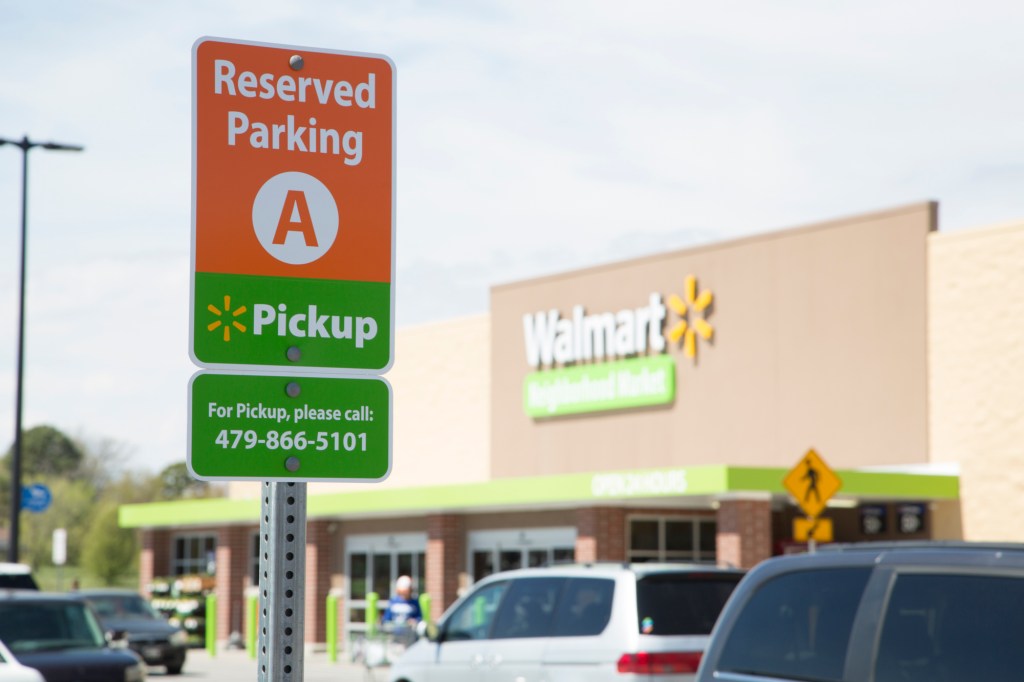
<point x="282" y="576"/>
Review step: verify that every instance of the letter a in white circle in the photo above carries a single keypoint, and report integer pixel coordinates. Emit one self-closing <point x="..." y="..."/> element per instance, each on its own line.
<point x="295" y="218"/>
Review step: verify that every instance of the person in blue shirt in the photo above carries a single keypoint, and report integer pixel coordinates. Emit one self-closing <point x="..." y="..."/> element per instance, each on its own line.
<point x="403" y="609"/>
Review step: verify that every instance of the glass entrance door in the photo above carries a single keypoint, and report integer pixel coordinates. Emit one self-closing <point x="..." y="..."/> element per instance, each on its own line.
<point x="372" y="564"/>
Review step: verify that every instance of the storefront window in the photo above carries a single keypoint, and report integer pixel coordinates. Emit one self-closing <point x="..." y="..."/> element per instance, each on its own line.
<point x="194" y="554"/>
<point x="679" y="536"/>
<point x="357" y="575"/>
<point x="671" y="539"/>
<point x="708" y="531"/>
<point x="511" y="560"/>
<point x="644" y="536"/>
<point x="382" y="575"/>
<point x="505" y="550"/>
<point x="483" y="564"/>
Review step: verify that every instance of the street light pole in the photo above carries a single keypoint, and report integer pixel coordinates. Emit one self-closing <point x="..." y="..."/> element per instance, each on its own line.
<point x="25" y="145"/>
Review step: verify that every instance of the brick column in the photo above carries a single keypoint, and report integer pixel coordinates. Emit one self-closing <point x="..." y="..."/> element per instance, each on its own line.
<point x="318" y="578"/>
<point x="232" y="571"/>
<point x="446" y="554"/>
<point x="600" y="534"/>
<point x="744" y="532"/>
<point x="155" y="556"/>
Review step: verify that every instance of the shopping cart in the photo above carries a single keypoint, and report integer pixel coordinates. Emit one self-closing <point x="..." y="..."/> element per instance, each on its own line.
<point x="381" y="647"/>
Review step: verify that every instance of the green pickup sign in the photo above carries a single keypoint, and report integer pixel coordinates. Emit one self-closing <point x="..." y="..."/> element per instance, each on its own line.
<point x="289" y="428"/>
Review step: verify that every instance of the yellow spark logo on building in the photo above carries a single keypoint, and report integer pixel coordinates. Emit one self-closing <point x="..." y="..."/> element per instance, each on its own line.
<point x="225" y="323"/>
<point x="691" y="314"/>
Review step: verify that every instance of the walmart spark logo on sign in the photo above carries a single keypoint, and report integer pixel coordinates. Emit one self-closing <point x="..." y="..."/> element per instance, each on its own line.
<point x="607" y="361"/>
<point x="225" y="324"/>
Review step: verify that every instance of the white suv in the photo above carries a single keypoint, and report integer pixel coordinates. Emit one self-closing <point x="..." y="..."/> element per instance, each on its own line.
<point x="573" y="623"/>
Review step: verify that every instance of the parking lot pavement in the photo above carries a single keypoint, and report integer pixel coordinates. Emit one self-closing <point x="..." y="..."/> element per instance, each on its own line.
<point x="233" y="665"/>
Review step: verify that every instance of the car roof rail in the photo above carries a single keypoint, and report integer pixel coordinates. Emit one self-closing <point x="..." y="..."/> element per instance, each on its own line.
<point x="919" y="545"/>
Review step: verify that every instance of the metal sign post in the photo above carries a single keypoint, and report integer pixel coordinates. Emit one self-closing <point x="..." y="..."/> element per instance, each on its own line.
<point x="282" y="576"/>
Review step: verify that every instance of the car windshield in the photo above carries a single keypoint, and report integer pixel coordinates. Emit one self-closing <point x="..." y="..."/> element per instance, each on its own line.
<point x="122" y="606"/>
<point x="682" y="603"/>
<point x="27" y="626"/>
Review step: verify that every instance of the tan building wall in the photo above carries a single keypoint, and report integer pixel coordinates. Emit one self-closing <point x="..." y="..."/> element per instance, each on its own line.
<point x="976" y="355"/>
<point x="441" y="389"/>
<point x="820" y="341"/>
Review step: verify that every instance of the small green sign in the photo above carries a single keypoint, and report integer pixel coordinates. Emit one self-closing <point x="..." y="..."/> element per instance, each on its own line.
<point x="637" y="382"/>
<point x="245" y="320"/>
<point x="289" y="428"/>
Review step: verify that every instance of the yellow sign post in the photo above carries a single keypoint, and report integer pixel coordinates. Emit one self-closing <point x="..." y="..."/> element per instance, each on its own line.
<point x="812" y="483"/>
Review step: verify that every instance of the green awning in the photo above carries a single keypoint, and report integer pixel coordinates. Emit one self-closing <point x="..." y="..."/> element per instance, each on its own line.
<point x="539" y="492"/>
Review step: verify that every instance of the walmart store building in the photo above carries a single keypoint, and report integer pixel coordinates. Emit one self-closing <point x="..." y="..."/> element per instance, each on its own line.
<point x="650" y="409"/>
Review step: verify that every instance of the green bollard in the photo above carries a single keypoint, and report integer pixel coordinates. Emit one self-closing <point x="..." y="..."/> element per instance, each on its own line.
<point x="372" y="612"/>
<point x="211" y="624"/>
<point x="332" y="628"/>
<point x="479" y="611"/>
<point x="425" y="608"/>
<point x="252" y="605"/>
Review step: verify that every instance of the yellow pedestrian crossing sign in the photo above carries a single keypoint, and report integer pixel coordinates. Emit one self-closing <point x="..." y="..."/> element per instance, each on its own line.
<point x="812" y="483"/>
<point x="807" y="529"/>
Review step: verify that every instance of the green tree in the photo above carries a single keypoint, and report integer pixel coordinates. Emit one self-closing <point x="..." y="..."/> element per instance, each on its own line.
<point x="109" y="552"/>
<point x="177" y="483"/>
<point x="45" y="451"/>
<point x="89" y="479"/>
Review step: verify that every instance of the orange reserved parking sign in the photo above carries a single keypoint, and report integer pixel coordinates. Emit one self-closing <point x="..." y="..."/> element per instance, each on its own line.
<point x="293" y="207"/>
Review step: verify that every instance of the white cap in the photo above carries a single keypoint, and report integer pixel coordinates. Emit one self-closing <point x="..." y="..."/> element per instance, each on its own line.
<point x="404" y="582"/>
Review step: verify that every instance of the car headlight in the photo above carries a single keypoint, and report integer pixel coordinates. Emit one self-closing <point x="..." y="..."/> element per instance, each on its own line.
<point x="179" y="638"/>
<point x="135" y="673"/>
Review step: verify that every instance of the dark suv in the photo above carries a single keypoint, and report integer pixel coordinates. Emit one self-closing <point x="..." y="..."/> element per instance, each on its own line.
<point x="935" y="612"/>
<point x="130" y="620"/>
<point x="60" y="637"/>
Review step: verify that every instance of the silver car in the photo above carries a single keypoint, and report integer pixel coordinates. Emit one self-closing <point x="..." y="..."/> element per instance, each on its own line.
<point x="573" y="623"/>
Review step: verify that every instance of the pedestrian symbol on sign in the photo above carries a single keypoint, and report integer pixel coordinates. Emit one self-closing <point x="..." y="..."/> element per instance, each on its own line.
<point x="811" y="476"/>
<point x="812" y="483"/>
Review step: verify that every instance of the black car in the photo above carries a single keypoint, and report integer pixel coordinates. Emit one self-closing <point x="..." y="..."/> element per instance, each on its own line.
<point x="128" y="617"/>
<point x="61" y="638"/>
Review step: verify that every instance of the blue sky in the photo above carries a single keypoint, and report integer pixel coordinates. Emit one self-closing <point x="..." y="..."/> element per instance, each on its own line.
<point x="532" y="138"/>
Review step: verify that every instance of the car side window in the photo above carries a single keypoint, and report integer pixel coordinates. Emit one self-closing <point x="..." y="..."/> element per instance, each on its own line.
<point x="473" y="618"/>
<point x="585" y="607"/>
<point x="796" y="625"/>
<point x="952" y="627"/>
<point x="528" y="608"/>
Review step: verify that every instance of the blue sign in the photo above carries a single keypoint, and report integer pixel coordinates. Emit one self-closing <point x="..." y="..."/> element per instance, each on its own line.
<point x="35" y="497"/>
